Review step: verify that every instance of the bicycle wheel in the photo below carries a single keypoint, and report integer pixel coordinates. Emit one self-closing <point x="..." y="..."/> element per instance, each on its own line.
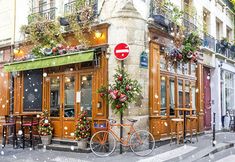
<point x="142" y="142"/>
<point x="102" y="143"/>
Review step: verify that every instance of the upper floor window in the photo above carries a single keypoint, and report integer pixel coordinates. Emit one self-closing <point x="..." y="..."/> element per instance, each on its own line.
<point x="1" y="56"/>
<point x="45" y="8"/>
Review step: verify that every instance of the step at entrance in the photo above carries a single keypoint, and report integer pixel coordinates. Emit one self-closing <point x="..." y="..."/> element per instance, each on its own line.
<point x="64" y="145"/>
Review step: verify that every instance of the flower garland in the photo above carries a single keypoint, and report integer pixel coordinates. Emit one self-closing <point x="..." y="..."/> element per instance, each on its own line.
<point x="188" y="52"/>
<point x="45" y="127"/>
<point x="82" y="130"/>
<point x="122" y="92"/>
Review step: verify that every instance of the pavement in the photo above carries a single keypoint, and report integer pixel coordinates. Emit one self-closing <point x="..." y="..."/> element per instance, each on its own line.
<point x="199" y="151"/>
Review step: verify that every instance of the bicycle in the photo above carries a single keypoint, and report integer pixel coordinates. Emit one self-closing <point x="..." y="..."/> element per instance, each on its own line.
<point x="103" y="143"/>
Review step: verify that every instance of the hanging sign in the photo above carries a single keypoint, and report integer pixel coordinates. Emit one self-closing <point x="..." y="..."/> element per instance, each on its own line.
<point x="121" y="51"/>
<point x="144" y="60"/>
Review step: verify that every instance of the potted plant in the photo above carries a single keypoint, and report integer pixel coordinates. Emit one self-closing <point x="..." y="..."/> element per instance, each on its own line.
<point x="45" y="129"/>
<point x="82" y="131"/>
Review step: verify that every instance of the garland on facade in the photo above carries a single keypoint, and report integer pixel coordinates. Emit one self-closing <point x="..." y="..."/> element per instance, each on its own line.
<point x="188" y="51"/>
<point x="45" y="127"/>
<point x="82" y="130"/>
<point x="122" y="92"/>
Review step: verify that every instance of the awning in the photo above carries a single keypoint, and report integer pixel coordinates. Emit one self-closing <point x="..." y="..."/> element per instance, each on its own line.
<point x="50" y="61"/>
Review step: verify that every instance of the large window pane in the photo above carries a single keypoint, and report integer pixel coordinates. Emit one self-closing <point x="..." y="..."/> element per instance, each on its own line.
<point x="69" y="84"/>
<point x="163" y="96"/>
<point x="194" y="98"/>
<point x="163" y="62"/>
<point x="32" y="100"/>
<point x="187" y="94"/>
<point x="86" y="94"/>
<point x="180" y="68"/>
<point x="55" y="97"/>
<point x="172" y="96"/>
<point x="180" y="93"/>
<point x="193" y="69"/>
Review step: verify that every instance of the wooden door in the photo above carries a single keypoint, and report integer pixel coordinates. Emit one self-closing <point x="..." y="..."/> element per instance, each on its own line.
<point x="62" y="104"/>
<point x="207" y="98"/>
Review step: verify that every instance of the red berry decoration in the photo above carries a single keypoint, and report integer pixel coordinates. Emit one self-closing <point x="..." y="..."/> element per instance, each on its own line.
<point x="120" y="78"/>
<point x="118" y="106"/>
<point x="54" y="49"/>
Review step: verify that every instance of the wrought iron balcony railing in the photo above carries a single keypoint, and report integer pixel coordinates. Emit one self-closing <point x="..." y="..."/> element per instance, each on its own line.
<point x="162" y="16"/>
<point x="47" y="11"/>
<point x="209" y="42"/>
<point x="70" y="7"/>
<point x="225" y="49"/>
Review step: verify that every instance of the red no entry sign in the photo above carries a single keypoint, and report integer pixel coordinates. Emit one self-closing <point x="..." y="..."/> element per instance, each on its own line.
<point x="121" y="51"/>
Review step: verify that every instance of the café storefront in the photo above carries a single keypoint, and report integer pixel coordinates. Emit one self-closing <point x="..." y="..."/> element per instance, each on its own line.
<point x="64" y="85"/>
<point x="171" y="87"/>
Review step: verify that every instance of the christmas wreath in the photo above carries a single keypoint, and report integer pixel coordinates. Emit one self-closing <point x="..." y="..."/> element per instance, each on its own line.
<point x="82" y="130"/>
<point x="45" y="127"/>
<point x="122" y="92"/>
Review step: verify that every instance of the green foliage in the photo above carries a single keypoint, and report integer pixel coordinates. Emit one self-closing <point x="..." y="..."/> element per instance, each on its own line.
<point x="122" y="92"/>
<point x="83" y="129"/>
<point x="43" y="34"/>
<point x="45" y="127"/>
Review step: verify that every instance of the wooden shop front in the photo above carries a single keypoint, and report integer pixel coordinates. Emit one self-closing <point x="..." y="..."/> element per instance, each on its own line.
<point x="64" y="85"/>
<point x="171" y="87"/>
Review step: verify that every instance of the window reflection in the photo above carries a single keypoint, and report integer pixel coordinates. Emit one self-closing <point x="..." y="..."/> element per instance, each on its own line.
<point x="163" y="96"/>
<point x="54" y="97"/>
<point x="179" y="68"/>
<point x="86" y="94"/>
<point x="194" y="98"/>
<point x="172" y="96"/>
<point x="180" y="93"/>
<point x="187" y="94"/>
<point x="69" y="84"/>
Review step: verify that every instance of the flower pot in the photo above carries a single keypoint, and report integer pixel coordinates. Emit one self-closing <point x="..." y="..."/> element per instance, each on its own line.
<point x="82" y="144"/>
<point x="46" y="140"/>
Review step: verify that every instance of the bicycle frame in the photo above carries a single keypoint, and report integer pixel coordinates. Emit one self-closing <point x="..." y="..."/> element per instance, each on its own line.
<point x="122" y="140"/>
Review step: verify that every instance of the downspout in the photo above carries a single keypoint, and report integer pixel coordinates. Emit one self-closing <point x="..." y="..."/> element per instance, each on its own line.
<point x="11" y="79"/>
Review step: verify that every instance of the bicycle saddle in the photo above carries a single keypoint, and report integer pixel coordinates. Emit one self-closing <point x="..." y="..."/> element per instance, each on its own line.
<point x="132" y="120"/>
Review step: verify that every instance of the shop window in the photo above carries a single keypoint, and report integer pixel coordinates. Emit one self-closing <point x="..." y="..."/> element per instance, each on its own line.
<point x="163" y="64"/>
<point x="187" y="94"/>
<point x="193" y="103"/>
<point x="86" y="94"/>
<point x="186" y="68"/>
<point x="172" y="96"/>
<point x="171" y="67"/>
<point x="32" y="100"/>
<point x="69" y="94"/>
<point x="180" y="93"/>
<point x="163" y="96"/>
<point x="229" y="90"/>
<point x="55" y="97"/>
<point x="180" y="68"/>
<point x="193" y="69"/>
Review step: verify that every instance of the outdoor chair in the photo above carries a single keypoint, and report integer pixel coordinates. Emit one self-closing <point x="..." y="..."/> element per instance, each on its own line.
<point x="28" y="122"/>
<point x="9" y="127"/>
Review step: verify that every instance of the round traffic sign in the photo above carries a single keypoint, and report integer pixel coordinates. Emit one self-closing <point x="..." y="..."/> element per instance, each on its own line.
<point x="121" y="51"/>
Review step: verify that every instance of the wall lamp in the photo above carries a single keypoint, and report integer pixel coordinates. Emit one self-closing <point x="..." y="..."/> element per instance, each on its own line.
<point x="98" y="34"/>
<point x="220" y="64"/>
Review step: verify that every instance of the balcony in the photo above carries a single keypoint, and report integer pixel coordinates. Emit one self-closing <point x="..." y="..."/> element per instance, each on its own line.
<point x="209" y="42"/>
<point x="163" y="16"/>
<point x="225" y="48"/>
<point x="47" y="11"/>
<point x="70" y="7"/>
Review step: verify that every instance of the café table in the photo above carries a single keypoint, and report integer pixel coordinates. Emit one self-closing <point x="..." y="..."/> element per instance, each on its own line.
<point x="184" y="111"/>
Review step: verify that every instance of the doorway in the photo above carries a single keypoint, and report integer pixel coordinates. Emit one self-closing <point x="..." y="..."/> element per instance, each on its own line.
<point x="68" y="95"/>
<point x="207" y="98"/>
